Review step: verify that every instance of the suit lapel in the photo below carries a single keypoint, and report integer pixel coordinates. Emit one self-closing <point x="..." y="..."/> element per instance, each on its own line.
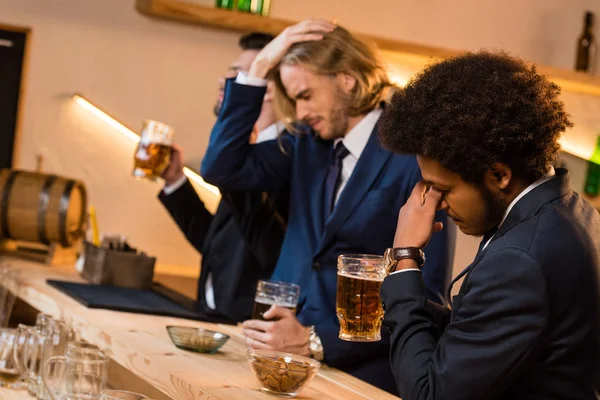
<point x="368" y="167"/>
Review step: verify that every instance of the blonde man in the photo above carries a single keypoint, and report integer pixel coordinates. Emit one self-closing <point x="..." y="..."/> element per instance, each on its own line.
<point x="346" y="190"/>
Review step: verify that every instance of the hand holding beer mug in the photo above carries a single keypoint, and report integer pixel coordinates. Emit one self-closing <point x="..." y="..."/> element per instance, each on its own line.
<point x="358" y="304"/>
<point x="269" y="293"/>
<point x="154" y="150"/>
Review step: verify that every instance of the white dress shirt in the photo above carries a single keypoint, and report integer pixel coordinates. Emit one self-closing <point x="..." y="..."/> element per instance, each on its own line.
<point x="269" y="133"/>
<point x="355" y="141"/>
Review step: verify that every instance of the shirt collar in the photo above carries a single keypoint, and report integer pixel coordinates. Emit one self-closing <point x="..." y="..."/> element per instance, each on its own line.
<point x="356" y="140"/>
<point x="551" y="174"/>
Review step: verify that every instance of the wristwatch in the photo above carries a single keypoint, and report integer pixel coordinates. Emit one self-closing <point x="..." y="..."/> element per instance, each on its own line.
<point x="395" y="254"/>
<point x="315" y="346"/>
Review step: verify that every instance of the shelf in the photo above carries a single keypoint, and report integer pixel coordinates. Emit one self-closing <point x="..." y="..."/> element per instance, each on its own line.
<point x="416" y="55"/>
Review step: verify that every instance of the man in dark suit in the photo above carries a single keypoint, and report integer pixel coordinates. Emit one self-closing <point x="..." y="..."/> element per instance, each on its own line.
<point x="346" y="190"/>
<point x="240" y="243"/>
<point x="526" y="321"/>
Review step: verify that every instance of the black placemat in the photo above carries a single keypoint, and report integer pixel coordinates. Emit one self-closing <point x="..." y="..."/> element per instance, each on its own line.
<point x="135" y="301"/>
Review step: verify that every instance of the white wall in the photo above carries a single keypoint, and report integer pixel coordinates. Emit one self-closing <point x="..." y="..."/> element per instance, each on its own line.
<point x="137" y="68"/>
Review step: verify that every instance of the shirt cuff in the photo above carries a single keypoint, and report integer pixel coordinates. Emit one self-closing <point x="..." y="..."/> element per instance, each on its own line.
<point x="405" y="270"/>
<point x="244" y="79"/>
<point x="168" y="189"/>
<point x="270" y="133"/>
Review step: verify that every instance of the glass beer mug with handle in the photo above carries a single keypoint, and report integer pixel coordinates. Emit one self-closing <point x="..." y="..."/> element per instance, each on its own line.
<point x="80" y="374"/>
<point x="25" y="360"/>
<point x="270" y="293"/>
<point x="358" y="304"/>
<point x="10" y="376"/>
<point x="154" y="150"/>
<point x="30" y="359"/>
<point x="52" y="340"/>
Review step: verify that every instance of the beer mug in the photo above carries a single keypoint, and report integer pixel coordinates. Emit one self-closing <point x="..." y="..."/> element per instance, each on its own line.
<point x="24" y="337"/>
<point x="52" y="339"/>
<point x="154" y="150"/>
<point x="80" y="374"/>
<point x="28" y="362"/>
<point x="121" y="395"/>
<point x="358" y="304"/>
<point x="10" y="376"/>
<point x="270" y="293"/>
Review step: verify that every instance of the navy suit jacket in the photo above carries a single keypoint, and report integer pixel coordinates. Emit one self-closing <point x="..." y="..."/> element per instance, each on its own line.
<point x="363" y="220"/>
<point x="526" y="322"/>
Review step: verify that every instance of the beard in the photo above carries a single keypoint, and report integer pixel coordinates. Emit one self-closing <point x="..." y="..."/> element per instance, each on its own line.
<point x="493" y="210"/>
<point x="338" y="117"/>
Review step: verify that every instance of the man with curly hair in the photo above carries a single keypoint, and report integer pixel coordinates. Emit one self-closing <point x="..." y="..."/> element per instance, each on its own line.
<point x="526" y="321"/>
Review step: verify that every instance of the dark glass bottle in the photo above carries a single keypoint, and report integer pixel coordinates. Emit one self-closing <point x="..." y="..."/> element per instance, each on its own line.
<point x="586" y="46"/>
<point x="228" y="4"/>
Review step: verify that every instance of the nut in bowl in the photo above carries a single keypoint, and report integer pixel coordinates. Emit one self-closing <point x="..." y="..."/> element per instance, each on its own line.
<point x="282" y="374"/>
<point x="196" y="339"/>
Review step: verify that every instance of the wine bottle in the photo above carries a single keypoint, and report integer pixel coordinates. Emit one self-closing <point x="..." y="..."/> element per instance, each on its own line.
<point x="586" y="46"/>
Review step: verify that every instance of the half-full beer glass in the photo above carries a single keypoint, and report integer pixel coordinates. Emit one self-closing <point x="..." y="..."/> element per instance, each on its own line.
<point x="154" y="150"/>
<point x="270" y="293"/>
<point x="358" y="303"/>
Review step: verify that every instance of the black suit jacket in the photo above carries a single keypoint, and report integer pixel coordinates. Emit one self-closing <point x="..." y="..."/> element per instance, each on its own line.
<point x="526" y="322"/>
<point x="240" y="244"/>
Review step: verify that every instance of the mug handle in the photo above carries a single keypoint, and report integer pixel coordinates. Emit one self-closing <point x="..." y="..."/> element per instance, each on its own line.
<point x="46" y="368"/>
<point x="22" y="367"/>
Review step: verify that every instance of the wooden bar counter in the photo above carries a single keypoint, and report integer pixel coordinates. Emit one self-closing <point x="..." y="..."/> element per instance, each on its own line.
<point x="139" y="344"/>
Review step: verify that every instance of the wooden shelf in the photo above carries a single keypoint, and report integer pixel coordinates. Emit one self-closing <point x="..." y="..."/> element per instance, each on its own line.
<point x="415" y="54"/>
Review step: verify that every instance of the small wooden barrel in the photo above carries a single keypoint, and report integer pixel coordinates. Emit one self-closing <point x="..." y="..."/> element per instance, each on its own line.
<point x="41" y="208"/>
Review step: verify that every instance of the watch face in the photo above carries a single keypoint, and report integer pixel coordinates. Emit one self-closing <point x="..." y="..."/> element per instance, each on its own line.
<point x="389" y="261"/>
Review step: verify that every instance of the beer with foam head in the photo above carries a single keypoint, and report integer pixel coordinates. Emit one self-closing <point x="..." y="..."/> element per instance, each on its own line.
<point x="358" y="304"/>
<point x="153" y="153"/>
<point x="269" y="293"/>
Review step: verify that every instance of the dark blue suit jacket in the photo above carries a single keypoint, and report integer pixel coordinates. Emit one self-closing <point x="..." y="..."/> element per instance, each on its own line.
<point x="526" y="322"/>
<point x="363" y="220"/>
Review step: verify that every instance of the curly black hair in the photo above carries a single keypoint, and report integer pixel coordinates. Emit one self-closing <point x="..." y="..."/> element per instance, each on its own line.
<point x="476" y="109"/>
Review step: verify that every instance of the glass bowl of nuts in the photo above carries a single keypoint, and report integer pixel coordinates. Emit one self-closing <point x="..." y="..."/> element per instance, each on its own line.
<point x="196" y="339"/>
<point x="282" y="374"/>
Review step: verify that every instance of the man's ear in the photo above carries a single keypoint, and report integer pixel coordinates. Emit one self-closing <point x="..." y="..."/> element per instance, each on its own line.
<point x="347" y="82"/>
<point x="498" y="176"/>
<point x="270" y="90"/>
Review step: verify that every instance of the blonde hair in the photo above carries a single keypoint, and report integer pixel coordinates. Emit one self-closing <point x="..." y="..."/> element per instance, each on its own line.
<point x="337" y="53"/>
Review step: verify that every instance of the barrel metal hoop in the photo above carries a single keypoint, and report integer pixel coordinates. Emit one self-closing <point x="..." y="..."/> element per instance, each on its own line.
<point x="43" y="208"/>
<point x="5" y="197"/>
<point x="64" y="207"/>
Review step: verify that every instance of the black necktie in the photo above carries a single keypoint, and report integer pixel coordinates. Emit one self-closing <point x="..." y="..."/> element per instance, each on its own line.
<point x="334" y="177"/>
